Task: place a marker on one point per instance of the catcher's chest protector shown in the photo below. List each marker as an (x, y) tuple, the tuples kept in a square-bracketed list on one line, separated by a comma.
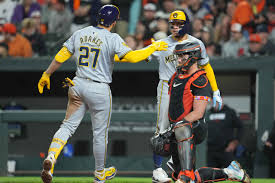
[(181, 97)]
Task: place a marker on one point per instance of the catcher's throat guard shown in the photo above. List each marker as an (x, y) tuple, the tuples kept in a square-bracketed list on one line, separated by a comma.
[(161, 143)]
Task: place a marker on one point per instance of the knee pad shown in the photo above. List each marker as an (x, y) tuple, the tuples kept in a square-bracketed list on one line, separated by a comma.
[(183, 132), (199, 129)]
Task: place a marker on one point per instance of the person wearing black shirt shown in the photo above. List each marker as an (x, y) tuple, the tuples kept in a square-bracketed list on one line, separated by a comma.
[(222, 141), (269, 147)]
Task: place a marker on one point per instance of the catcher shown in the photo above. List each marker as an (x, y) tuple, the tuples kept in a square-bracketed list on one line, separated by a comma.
[(190, 93)]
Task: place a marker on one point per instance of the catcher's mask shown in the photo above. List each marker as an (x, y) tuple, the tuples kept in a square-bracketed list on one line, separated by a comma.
[(187, 54), (179, 18)]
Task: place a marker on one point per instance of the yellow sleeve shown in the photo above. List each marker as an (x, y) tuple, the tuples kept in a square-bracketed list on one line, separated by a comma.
[(211, 76), (137, 55), (63, 55)]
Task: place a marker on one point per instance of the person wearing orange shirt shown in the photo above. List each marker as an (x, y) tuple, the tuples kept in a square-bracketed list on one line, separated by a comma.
[(247, 11), (19, 46)]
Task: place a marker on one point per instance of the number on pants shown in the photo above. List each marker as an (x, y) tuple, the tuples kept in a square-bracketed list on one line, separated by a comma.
[(86, 55)]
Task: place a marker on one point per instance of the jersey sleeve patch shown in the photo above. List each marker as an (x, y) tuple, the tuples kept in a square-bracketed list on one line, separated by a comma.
[(200, 82)]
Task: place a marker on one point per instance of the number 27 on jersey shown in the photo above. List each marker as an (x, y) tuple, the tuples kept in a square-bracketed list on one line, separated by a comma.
[(83, 59)]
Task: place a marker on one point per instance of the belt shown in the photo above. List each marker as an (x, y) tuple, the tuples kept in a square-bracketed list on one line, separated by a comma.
[(93, 80), (165, 81)]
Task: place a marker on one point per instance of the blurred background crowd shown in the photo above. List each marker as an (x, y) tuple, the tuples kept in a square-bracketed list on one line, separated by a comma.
[(228, 28)]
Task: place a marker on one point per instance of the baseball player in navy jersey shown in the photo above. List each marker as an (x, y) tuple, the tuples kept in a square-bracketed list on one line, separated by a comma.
[(179, 23), (94, 49)]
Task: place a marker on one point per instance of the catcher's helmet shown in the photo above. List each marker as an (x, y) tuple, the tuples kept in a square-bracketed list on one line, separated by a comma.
[(108, 14), (181, 17), (192, 49)]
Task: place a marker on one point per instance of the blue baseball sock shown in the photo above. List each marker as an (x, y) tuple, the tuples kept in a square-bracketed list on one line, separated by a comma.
[(157, 160)]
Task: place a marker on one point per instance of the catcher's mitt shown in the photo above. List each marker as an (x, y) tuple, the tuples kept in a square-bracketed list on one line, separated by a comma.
[(160, 143), (67, 83)]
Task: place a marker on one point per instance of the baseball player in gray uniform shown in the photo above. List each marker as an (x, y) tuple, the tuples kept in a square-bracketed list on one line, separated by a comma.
[(94, 49), (167, 67)]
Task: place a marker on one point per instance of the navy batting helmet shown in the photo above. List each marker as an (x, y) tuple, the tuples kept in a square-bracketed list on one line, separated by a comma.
[(108, 14)]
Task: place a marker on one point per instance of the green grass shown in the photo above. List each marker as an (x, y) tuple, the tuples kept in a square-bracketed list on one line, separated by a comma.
[(90, 180)]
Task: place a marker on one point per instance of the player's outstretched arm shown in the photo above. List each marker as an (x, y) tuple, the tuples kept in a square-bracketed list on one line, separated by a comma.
[(60, 57), (212, 80), (143, 54)]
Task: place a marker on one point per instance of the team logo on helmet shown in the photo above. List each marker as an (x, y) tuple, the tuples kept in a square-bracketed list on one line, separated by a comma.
[(108, 14), (175, 15)]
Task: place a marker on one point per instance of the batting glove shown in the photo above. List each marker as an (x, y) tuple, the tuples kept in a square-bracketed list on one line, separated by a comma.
[(44, 80), (159, 45), (217, 99), (67, 83)]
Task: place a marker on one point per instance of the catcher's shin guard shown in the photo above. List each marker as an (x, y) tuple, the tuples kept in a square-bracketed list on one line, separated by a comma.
[(185, 148)]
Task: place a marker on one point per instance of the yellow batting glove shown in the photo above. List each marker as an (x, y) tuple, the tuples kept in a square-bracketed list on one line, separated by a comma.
[(67, 83), (44, 80), (159, 45)]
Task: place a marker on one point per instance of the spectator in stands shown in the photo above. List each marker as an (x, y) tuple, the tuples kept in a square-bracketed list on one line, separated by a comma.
[(271, 17), (247, 11), (208, 20), (222, 30), (84, 13), (24, 10), (269, 148), (19, 46), (230, 8), (35, 38), (197, 26), (167, 7), (3, 50), (213, 50), (268, 45), (60, 19), (46, 10), (206, 35), (131, 42), (39, 27), (198, 9), (149, 22), (218, 8), (140, 31), (162, 26), (184, 5), (237, 45), (6, 10), (222, 141), (256, 46)]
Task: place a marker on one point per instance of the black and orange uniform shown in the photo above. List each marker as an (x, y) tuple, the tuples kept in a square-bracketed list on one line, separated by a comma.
[(184, 89)]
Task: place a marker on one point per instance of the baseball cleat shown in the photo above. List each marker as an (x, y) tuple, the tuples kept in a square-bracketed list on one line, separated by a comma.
[(235, 172), (48, 164), (171, 165), (160, 176), (106, 174)]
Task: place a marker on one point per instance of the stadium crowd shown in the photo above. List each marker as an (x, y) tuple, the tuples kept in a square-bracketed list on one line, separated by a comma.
[(228, 28)]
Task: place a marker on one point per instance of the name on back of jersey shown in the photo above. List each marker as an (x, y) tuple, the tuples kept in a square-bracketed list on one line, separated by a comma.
[(91, 39)]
